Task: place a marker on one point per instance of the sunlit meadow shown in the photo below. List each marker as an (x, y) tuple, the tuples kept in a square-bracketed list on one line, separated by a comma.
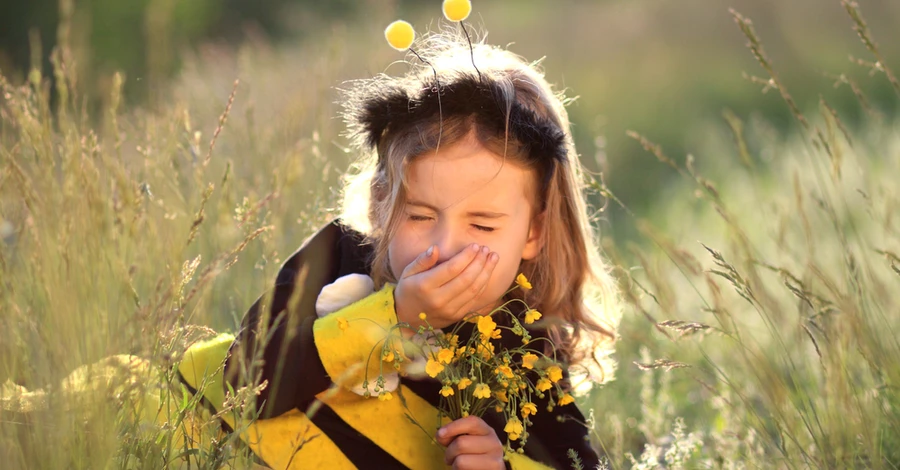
[(762, 317)]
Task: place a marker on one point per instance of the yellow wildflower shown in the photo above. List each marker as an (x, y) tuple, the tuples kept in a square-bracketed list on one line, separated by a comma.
[(543, 385), (463, 383), (342, 323), (385, 396), (528, 360), (532, 316), (457, 10), (447, 391), (486, 349), (387, 356), (554, 373), (486, 325), (506, 371), (566, 399), (461, 351), (514, 428), (528, 409), (445, 356), (422, 316), (482, 391), (433, 368), (498, 409), (495, 334), (400, 35), (501, 395), (522, 281), (453, 340)]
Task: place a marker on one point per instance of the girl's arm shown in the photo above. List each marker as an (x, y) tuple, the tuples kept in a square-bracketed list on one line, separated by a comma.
[(289, 360)]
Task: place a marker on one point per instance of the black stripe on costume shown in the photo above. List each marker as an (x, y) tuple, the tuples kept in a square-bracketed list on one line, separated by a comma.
[(362, 452), (358, 449), (212, 411)]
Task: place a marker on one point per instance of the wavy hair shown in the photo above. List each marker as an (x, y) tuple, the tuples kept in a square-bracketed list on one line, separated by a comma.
[(512, 111)]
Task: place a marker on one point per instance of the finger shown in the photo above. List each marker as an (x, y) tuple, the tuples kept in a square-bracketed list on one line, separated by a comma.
[(448, 270), (463, 302), (472, 425), (466, 444), (422, 263), (463, 288)]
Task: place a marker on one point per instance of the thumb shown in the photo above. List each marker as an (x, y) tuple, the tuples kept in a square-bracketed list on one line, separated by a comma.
[(422, 263)]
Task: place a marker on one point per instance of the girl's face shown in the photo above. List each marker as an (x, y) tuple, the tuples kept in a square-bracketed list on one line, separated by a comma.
[(465, 194)]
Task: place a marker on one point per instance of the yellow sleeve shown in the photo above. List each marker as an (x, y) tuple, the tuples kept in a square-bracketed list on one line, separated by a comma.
[(349, 340), (523, 462)]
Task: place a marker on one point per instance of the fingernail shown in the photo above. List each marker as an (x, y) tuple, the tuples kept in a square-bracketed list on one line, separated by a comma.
[(485, 250), (430, 250), (494, 257), (441, 432), (475, 247)]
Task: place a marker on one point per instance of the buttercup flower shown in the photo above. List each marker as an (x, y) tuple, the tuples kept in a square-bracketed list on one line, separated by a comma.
[(400, 35), (486, 325), (482, 391), (506, 371), (486, 349), (522, 281), (554, 373), (342, 323), (447, 391), (566, 399), (385, 396), (528, 360), (445, 356), (543, 385), (528, 409), (514, 428), (387, 356), (422, 316), (457, 10), (461, 351), (433, 368), (501, 395), (532, 316), (463, 383)]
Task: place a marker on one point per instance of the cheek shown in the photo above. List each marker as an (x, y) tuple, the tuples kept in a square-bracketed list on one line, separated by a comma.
[(401, 251), (503, 275)]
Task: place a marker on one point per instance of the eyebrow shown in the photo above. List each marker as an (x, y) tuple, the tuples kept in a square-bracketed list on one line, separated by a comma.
[(480, 214)]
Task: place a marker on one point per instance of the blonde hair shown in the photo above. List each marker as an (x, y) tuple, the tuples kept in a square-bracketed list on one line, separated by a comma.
[(572, 284)]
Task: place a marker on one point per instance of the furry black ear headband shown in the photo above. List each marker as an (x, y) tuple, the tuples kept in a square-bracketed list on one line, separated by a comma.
[(394, 108)]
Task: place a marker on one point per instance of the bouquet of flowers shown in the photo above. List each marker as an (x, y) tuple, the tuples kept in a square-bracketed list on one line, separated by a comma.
[(478, 373)]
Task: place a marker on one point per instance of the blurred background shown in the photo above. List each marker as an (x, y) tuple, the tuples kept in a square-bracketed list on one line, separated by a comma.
[(667, 69), (134, 215)]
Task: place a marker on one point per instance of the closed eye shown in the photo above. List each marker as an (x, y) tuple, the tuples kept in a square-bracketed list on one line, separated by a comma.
[(483, 228), (418, 218)]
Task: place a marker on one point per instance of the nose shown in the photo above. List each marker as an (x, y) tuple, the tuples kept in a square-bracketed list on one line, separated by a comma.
[(449, 240)]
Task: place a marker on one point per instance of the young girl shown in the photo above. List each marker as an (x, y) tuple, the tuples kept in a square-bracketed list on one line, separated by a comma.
[(467, 176)]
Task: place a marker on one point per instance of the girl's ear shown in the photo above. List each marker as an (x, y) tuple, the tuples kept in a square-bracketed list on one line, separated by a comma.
[(535, 241)]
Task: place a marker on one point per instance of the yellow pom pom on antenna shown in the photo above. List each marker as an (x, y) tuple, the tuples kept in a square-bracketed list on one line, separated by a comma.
[(457, 10), (400, 35)]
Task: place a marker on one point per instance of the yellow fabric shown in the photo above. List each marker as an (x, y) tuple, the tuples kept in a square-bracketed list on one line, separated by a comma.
[(349, 340), (384, 422), (275, 440)]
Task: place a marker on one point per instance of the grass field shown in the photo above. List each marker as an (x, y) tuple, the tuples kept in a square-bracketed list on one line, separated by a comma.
[(762, 318)]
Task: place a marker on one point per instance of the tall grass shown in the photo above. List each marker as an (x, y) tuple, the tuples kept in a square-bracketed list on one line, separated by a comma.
[(770, 292), (763, 323)]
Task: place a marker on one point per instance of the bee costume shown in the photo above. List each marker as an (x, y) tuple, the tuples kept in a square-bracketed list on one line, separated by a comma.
[(346, 430)]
